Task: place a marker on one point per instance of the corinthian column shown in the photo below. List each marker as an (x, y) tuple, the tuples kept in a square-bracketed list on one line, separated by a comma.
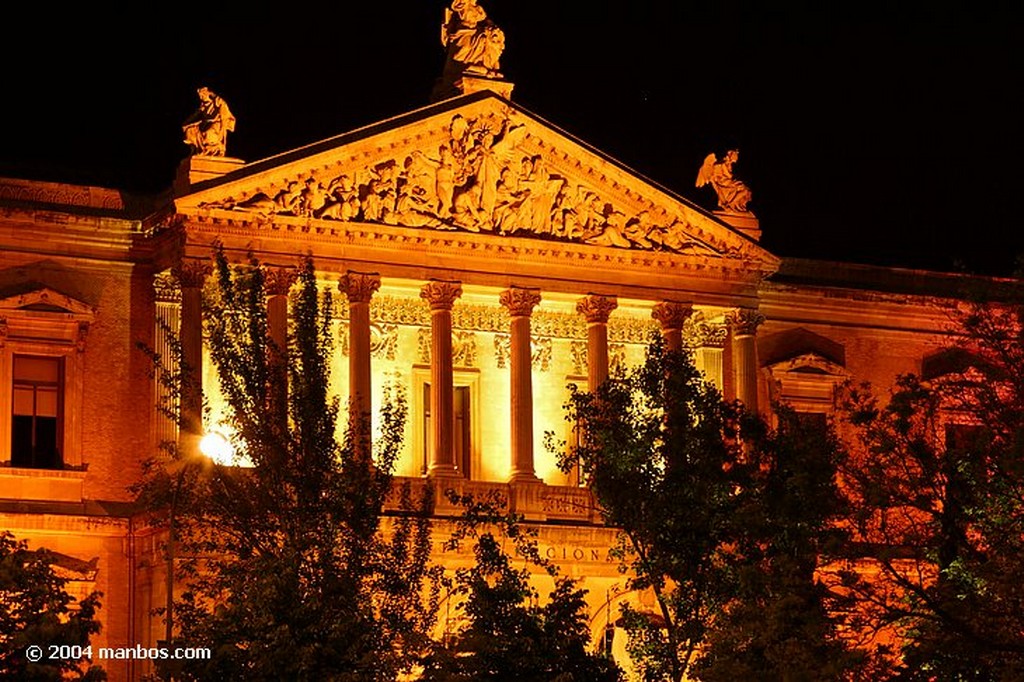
[(191, 276), (744, 323), (277, 282), (672, 316), (359, 288), (596, 310), (441, 296), (520, 304)]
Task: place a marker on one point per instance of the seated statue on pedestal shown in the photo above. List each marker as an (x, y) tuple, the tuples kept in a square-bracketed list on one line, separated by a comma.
[(474, 44), (206, 130)]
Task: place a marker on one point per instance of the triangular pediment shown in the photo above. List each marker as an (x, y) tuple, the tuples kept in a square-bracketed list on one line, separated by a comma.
[(480, 164), (42, 300)]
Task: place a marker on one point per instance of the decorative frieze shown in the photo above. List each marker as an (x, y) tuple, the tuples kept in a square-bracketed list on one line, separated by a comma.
[(165, 288), (383, 341), (578, 353), (616, 358), (701, 333), (540, 351), (463, 349)]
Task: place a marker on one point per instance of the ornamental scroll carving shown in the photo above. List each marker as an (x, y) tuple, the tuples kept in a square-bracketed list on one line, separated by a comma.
[(540, 351), (483, 177), (463, 348), (383, 340), (699, 332)]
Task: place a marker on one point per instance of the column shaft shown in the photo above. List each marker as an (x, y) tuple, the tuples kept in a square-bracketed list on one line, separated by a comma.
[(520, 304), (359, 288), (744, 325), (441, 296), (597, 309), (191, 276)]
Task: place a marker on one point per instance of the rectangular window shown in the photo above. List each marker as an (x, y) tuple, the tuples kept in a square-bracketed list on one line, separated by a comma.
[(37, 412), (462, 437)]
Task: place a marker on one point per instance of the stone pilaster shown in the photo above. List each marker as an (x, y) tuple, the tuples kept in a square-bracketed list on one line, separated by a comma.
[(596, 309), (359, 288), (441, 296), (191, 276), (743, 324), (672, 316), (520, 304), (707, 339)]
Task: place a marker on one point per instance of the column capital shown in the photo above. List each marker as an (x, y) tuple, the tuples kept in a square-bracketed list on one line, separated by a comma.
[(192, 274), (700, 333), (441, 294), (672, 314), (596, 308), (278, 281), (744, 321), (519, 301), (359, 287)]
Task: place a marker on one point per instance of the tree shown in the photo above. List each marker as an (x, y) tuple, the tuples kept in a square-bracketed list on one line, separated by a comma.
[(722, 518), (508, 635), (294, 570), (36, 610), (783, 621), (938, 498), (661, 450)]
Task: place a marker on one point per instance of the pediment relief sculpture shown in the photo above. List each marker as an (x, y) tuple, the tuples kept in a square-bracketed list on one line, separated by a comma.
[(484, 176)]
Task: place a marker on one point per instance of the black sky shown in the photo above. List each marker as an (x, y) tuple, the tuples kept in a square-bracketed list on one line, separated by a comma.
[(884, 133)]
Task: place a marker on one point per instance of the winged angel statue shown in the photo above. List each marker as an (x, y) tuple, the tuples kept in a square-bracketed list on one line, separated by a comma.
[(733, 194)]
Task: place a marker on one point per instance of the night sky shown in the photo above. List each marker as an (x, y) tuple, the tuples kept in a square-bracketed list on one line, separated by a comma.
[(867, 133)]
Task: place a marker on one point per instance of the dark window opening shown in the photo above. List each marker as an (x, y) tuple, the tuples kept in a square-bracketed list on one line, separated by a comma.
[(462, 440), (36, 423)]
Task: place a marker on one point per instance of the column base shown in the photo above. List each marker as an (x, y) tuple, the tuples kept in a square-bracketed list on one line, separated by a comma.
[(526, 497)]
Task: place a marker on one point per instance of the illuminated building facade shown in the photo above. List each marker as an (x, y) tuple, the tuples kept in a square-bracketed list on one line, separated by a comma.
[(484, 259)]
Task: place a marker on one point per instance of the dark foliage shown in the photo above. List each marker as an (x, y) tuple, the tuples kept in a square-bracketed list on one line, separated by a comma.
[(36, 610), (507, 634), (294, 570)]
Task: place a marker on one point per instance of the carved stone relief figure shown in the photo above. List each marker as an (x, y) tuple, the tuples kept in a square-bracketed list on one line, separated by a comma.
[(484, 177), (733, 194), (206, 130)]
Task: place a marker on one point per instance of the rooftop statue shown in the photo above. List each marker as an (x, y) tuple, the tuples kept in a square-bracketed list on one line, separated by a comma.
[(206, 130), (474, 44), (733, 194)]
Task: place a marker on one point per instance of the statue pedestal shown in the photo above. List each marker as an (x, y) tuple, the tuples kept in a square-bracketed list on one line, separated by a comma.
[(746, 223), (469, 84), (195, 169)]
